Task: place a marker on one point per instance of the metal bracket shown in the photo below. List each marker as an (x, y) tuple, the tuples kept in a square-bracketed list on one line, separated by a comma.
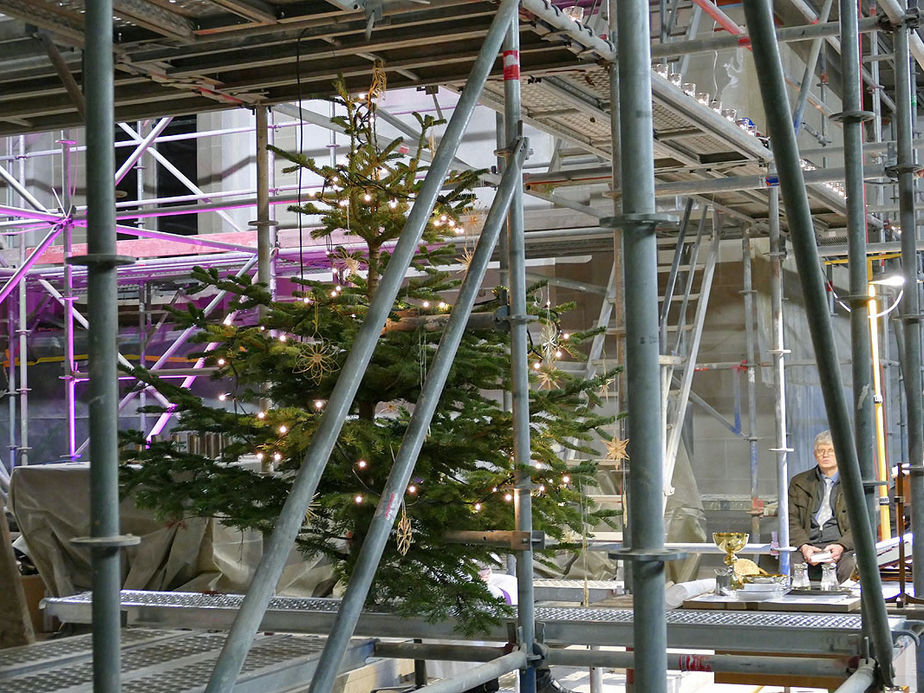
[(627, 221), (515, 540), (648, 555), (858, 300), (893, 172), (117, 541), (853, 116), (101, 260)]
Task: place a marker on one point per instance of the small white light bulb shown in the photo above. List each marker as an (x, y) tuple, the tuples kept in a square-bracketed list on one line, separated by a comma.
[(283, 429), (362, 464), (277, 456), (261, 415), (358, 499)]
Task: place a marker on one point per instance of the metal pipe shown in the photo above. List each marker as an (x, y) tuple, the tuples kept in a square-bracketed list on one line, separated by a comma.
[(104, 320), (646, 524), (677, 661), (860, 346), (786, 154), (265, 240), (743, 664), (22, 333), (911, 306), (751, 383), (141, 147), (519, 359), (392, 496), (860, 680), (70, 366), (479, 675), (809, 74), (306, 481), (779, 351)]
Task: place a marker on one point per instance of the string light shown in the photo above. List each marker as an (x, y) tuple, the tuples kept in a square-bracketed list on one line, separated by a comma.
[(541, 488), (260, 456), (261, 328), (451, 223), (362, 464), (367, 197), (335, 179), (261, 415), (358, 499), (282, 338), (558, 354), (223, 396), (537, 366), (221, 362), (442, 305), (566, 336), (566, 479), (477, 507), (306, 299), (412, 489), (344, 203), (392, 203), (319, 404), (494, 489), (277, 456), (508, 497), (283, 429), (426, 304), (333, 294)]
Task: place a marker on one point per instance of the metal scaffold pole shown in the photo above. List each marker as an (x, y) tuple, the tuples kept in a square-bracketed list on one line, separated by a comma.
[(101, 260), (338, 406), (779, 352), (860, 345), (911, 302), (786, 155), (638, 221), (519, 360)]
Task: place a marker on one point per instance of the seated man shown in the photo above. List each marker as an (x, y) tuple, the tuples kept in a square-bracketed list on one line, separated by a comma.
[(818, 514)]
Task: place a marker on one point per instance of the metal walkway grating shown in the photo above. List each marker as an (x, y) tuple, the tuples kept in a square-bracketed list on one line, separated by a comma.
[(735, 631), (168, 661)]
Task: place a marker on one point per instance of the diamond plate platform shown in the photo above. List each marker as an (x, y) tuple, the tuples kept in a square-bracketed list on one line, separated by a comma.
[(730, 631), (167, 661)]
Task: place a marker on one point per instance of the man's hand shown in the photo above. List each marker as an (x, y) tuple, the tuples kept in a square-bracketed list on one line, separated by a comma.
[(807, 550), (836, 552)]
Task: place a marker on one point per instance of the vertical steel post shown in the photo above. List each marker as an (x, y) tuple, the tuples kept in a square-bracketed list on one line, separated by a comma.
[(338, 406), (396, 486), (860, 347), (104, 325), (911, 306), (638, 220), (519, 360), (22, 330), (70, 367), (786, 154), (750, 373), (779, 352), (265, 240)]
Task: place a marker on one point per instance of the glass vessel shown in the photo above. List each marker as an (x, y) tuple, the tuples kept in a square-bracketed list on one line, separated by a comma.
[(800, 578), (829, 577)]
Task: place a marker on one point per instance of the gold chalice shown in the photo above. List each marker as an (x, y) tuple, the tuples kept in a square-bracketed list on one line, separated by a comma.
[(730, 543)]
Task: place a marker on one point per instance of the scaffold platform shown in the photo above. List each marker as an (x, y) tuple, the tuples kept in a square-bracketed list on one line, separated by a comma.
[(810, 633), (168, 661)]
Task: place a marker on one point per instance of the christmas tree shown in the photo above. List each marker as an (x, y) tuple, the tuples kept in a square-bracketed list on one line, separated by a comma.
[(279, 358)]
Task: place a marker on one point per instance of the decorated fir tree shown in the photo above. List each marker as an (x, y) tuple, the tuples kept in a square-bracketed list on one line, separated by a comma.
[(279, 360)]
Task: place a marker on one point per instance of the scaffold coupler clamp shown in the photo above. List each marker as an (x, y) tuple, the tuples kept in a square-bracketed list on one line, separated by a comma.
[(643, 222)]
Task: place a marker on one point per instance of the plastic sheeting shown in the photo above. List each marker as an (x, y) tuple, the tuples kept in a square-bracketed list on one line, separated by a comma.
[(51, 504)]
